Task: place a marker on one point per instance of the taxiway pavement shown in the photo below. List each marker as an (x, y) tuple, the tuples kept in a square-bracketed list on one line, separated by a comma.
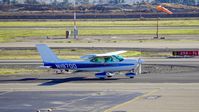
[(151, 61), (62, 101), (96, 97)]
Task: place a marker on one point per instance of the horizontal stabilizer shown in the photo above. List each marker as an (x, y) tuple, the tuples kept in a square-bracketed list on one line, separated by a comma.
[(44, 67)]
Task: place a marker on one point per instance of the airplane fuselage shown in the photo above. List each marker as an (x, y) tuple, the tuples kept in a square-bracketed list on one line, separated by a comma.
[(125, 65), (104, 64)]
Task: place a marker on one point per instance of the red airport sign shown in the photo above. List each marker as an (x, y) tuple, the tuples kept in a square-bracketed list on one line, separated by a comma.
[(185, 53)]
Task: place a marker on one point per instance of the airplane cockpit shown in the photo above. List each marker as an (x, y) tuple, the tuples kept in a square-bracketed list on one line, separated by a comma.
[(107, 59)]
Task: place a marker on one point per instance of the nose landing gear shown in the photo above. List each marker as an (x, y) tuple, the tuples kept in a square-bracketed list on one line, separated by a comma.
[(130, 75)]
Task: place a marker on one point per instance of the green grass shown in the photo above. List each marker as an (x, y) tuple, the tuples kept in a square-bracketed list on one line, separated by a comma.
[(9, 71), (104, 23), (132, 54), (68, 54), (8, 35)]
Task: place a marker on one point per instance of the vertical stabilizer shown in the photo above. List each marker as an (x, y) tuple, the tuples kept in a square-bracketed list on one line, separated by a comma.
[(46, 53)]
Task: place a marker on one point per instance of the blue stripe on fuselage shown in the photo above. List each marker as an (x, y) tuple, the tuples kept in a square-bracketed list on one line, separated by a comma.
[(84, 65)]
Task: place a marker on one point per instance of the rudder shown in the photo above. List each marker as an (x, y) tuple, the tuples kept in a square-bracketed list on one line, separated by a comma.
[(46, 53)]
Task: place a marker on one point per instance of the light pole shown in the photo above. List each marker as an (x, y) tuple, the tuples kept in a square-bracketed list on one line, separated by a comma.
[(157, 30), (75, 22)]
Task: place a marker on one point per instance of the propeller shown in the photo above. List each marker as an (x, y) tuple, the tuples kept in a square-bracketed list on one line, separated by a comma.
[(139, 67)]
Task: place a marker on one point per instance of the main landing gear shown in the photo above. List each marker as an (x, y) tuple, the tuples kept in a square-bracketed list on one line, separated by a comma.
[(101, 75), (104, 75), (60, 71)]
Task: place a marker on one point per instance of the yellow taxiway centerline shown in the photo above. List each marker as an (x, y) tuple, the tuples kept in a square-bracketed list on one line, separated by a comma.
[(131, 101)]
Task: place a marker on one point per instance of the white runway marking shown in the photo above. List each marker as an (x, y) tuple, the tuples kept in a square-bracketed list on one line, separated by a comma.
[(6, 92)]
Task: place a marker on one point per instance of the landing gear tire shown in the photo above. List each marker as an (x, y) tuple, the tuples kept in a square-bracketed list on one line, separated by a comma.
[(59, 71), (109, 76), (131, 77)]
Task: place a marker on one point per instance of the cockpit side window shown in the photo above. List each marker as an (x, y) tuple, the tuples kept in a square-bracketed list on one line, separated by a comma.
[(114, 58), (98, 60), (108, 59)]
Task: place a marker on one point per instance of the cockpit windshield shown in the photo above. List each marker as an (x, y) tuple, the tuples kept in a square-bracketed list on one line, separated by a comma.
[(108, 59), (118, 57)]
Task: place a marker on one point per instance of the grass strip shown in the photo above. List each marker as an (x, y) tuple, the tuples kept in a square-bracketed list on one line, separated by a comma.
[(102, 23), (9, 71), (8, 35)]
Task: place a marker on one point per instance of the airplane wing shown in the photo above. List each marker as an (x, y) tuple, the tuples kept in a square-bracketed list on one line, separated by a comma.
[(113, 53), (89, 56)]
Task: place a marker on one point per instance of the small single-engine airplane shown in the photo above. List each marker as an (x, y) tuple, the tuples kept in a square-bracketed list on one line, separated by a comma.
[(104, 64)]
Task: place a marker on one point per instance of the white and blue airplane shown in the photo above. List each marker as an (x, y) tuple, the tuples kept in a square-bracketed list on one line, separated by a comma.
[(105, 65)]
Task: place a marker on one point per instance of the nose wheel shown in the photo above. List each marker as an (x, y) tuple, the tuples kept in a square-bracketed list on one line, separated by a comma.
[(109, 76), (131, 75)]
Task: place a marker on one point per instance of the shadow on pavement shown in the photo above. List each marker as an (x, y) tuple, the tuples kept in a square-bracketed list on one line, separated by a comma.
[(55, 81)]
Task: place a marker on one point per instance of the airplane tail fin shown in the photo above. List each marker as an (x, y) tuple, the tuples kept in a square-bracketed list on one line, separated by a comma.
[(46, 53)]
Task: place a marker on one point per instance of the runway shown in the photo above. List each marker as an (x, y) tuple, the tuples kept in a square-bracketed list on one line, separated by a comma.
[(147, 61), (154, 70), (50, 78), (173, 87)]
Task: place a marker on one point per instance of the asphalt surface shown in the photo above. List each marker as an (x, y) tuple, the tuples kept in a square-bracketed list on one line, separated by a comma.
[(52, 79), (62, 101), (154, 70), (151, 61), (82, 92)]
